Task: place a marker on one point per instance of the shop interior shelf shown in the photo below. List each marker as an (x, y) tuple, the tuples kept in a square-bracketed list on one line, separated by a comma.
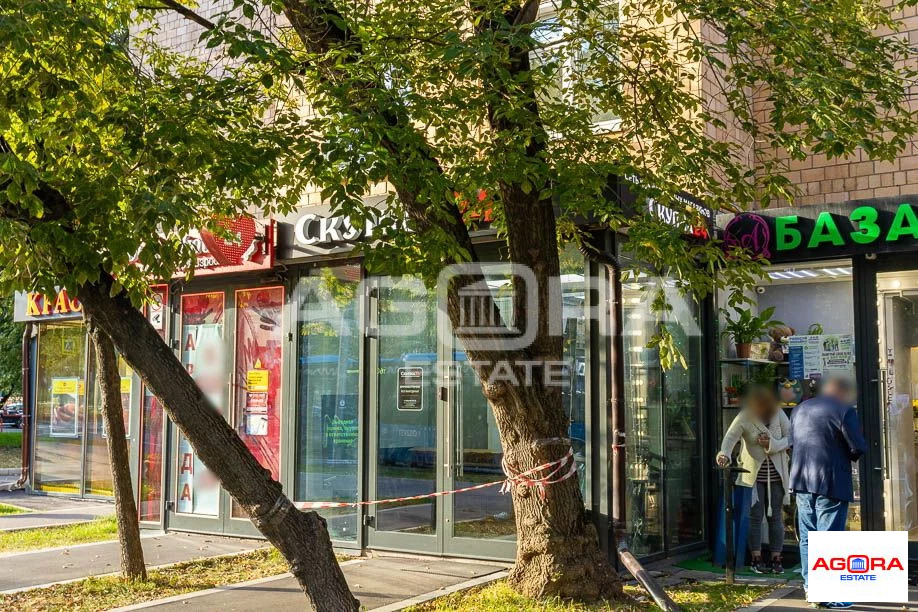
[(749, 361)]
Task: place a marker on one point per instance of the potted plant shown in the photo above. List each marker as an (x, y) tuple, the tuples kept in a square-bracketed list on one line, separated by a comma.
[(745, 328)]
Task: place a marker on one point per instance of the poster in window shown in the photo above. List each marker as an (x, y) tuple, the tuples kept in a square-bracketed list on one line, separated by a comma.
[(339, 428), (156, 311), (410, 386), (65, 404), (259, 360), (203, 354), (127, 385), (259, 342)]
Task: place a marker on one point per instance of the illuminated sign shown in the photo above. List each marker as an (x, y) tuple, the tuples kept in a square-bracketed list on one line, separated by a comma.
[(34, 306), (879, 227), (315, 230), (242, 245)]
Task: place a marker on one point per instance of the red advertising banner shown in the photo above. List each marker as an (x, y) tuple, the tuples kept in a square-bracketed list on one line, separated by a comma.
[(259, 361)]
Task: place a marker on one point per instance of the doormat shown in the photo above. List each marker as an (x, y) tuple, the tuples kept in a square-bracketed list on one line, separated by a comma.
[(703, 564)]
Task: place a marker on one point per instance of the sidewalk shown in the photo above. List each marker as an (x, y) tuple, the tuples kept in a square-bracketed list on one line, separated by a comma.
[(380, 583), (47, 511), (52, 565), (792, 599)]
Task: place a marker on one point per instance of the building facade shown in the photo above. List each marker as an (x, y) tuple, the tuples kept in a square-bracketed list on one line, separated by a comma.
[(334, 377)]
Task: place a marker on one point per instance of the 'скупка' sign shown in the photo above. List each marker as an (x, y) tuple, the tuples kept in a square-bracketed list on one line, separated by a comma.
[(877, 226)]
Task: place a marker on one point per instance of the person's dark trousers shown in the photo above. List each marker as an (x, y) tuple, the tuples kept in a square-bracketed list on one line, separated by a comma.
[(817, 513)]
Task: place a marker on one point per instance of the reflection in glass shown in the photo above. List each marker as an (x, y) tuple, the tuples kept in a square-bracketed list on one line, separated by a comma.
[(485, 513), (151, 425), (662, 417), (328, 357), (98, 469), (60, 395), (257, 388), (573, 328), (407, 430), (898, 309), (682, 409), (198, 490)]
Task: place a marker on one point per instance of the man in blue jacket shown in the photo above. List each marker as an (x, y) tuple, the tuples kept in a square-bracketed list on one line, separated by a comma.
[(826, 437)]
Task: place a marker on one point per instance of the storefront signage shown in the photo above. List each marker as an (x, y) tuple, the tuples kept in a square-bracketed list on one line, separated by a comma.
[(311, 230), (880, 226), (33, 306), (243, 245), (679, 214), (410, 389)]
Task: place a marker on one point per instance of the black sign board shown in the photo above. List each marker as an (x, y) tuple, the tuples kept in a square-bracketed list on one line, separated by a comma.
[(792, 234), (410, 389)]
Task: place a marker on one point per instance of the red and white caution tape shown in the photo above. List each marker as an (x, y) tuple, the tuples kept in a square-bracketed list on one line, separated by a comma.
[(528, 478)]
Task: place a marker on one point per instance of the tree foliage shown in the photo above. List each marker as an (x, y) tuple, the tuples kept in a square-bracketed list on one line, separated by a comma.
[(10, 351), (112, 149), (450, 100)]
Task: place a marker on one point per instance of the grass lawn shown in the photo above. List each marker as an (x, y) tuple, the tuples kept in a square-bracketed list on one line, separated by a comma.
[(498, 597), (108, 592), (10, 449), (50, 537), (8, 509)]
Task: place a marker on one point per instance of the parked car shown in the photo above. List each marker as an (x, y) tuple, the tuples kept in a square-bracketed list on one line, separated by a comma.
[(11, 415)]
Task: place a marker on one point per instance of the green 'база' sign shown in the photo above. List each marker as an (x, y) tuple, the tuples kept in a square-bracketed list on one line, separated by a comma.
[(880, 226), (867, 229)]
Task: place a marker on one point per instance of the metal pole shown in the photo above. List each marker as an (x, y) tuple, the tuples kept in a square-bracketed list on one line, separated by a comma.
[(730, 545), (729, 473)]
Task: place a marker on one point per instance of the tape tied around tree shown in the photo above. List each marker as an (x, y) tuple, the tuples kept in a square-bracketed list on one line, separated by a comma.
[(558, 470)]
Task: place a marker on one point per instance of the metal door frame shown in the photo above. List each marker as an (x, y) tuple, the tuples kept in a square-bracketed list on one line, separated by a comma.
[(867, 329), (393, 540)]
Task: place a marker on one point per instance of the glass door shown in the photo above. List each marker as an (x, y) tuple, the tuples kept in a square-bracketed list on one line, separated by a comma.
[(405, 417), (478, 523), (196, 497), (898, 310)]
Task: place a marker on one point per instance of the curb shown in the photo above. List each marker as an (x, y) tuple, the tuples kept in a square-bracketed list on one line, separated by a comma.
[(118, 573), (221, 589), (419, 599), (771, 599), (11, 471)]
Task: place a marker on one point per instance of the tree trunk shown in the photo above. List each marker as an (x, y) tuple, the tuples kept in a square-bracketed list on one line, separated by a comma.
[(301, 537), (132, 564), (558, 551)]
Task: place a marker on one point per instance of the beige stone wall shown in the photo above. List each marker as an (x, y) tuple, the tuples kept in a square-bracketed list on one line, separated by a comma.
[(826, 181), (181, 34)]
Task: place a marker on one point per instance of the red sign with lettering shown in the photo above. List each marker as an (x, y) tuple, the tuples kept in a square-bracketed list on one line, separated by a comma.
[(243, 244)]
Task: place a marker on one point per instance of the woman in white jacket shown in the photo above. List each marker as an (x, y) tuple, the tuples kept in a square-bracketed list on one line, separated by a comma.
[(764, 431)]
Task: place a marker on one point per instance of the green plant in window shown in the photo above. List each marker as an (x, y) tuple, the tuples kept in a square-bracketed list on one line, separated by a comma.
[(744, 327)]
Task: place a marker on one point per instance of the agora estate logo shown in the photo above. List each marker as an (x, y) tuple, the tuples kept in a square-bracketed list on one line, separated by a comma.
[(858, 567)]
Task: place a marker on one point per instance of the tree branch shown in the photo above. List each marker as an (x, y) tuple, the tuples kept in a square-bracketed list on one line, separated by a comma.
[(184, 11)]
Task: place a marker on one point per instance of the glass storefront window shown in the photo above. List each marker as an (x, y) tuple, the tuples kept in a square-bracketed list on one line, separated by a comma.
[(897, 294), (152, 426), (815, 302), (60, 392), (328, 380), (203, 355), (406, 464), (257, 380), (98, 471), (663, 409), (573, 329)]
